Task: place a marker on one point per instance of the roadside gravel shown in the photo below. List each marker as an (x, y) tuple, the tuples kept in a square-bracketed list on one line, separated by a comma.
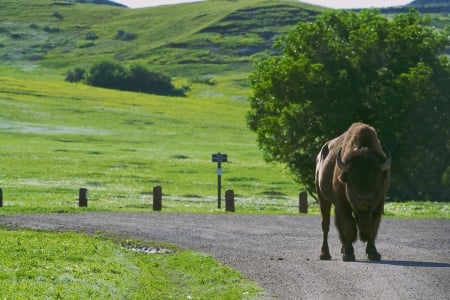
[(281, 252)]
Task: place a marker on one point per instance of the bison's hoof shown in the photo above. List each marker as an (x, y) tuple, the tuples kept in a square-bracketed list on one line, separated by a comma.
[(325, 256), (348, 257), (374, 256)]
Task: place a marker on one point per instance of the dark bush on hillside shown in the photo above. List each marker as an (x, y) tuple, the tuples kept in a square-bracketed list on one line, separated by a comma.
[(142, 80), (58, 15), (49, 29), (87, 45), (137, 79), (91, 36), (124, 35), (108, 75), (75, 75)]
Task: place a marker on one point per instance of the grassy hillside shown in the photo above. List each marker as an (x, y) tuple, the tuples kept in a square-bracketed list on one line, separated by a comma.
[(184, 40), (437, 10), (431, 6), (57, 137)]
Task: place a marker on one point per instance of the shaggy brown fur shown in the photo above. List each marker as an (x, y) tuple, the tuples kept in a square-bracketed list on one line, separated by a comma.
[(353, 173)]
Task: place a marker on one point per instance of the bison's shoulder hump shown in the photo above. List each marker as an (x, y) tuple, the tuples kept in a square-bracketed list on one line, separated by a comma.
[(360, 136)]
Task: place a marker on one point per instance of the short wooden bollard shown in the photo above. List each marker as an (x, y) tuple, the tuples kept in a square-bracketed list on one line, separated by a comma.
[(83, 197), (303, 202), (229, 200), (1, 198), (157, 198)]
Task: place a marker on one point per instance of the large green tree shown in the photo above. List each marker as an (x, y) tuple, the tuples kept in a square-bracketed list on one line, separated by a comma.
[(344, 67)]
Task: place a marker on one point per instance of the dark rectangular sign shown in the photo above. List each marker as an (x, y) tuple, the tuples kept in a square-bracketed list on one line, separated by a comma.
[(219, 157)]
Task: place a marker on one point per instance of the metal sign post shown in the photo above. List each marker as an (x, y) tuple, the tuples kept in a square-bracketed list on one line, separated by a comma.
[(219, 158)]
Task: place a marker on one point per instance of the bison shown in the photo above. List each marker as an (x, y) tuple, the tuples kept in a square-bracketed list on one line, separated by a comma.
[(353, 173)]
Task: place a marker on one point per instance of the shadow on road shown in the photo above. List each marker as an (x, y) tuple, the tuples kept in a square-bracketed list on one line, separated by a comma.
[(409, 263)]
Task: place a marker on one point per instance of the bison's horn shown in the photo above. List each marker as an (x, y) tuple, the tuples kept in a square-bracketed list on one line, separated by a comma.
[(387, 163), (341, 164)]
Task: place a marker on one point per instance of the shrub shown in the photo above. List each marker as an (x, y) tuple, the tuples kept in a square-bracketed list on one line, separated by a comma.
[(58, 15), (75, 75), (124, 35), (49, 29), (92, 36), (138, 79), (108, 75), (87, 45), (143, 80)]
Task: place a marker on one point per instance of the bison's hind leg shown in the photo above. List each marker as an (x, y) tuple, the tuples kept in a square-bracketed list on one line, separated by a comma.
[(325, 209)]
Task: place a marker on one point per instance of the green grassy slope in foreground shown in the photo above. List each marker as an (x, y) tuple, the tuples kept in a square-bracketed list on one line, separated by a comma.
[(40, 265)]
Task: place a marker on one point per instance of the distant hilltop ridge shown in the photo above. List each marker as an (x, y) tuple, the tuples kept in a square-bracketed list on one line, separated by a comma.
[(424, 6), (102, 2)]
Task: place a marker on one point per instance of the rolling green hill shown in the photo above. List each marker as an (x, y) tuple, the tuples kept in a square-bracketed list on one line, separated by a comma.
[(438, 10), (185, 39), (182, 40)]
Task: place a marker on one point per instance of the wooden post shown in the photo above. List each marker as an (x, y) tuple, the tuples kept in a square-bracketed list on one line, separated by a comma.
[(219, 183), (83, 197), (229, 200), (303, 202), (1, 198), (157, 198)]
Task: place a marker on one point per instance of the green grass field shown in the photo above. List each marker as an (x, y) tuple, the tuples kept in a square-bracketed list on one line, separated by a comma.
[(58, 137), (41, 265)]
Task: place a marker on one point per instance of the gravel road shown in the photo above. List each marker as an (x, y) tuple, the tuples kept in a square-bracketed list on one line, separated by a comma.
[(281, 252)]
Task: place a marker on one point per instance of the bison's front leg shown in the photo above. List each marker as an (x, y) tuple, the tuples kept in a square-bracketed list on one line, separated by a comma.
[(371, 250), (346, 226)]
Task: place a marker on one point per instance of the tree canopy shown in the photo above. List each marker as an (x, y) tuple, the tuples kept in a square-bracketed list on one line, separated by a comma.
[(346, 67)]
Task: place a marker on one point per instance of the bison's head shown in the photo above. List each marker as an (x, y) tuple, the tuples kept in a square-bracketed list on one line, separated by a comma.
[(365, 174)]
